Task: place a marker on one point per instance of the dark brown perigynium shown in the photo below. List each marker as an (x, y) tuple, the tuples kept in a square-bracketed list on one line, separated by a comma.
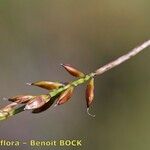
[(37, 102)]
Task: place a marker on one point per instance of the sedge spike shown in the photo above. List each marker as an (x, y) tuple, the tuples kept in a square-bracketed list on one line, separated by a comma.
[(63, 91)]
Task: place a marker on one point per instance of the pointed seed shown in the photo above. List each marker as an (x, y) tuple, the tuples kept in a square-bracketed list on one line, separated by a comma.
[(73, 71), (90, 92), (47, 85), (21, 98), (90, 95), (37, 102), (65, 96)]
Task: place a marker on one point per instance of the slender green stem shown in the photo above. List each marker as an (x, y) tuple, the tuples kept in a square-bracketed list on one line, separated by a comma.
[(73, 83)]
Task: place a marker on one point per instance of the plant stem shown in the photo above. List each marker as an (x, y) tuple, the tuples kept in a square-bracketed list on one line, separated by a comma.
[(123, 58), (4, 115), (73, 83)]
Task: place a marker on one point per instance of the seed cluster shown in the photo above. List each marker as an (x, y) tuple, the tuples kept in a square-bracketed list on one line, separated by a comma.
[(62, 92)]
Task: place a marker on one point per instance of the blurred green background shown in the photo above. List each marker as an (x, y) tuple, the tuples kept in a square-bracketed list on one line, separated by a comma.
[(37, 35)]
